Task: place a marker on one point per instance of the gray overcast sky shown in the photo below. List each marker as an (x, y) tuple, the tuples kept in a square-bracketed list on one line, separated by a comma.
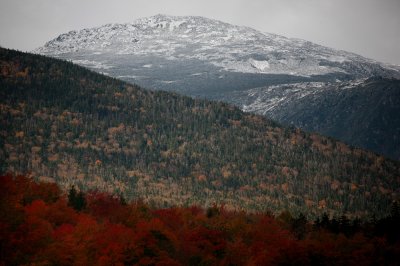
[(367, 27)]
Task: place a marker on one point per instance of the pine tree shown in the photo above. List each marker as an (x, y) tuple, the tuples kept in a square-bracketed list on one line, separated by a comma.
[(76, 199)]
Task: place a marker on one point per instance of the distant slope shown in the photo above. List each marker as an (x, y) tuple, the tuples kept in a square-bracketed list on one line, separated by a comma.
[(259, 72), (367, 115), (364, 113), (63, 123)]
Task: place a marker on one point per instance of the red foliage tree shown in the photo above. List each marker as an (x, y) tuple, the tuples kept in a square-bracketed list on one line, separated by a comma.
[(37, 227)]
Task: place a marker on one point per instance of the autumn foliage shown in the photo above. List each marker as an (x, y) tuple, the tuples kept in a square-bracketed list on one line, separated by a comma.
[(38, 226)]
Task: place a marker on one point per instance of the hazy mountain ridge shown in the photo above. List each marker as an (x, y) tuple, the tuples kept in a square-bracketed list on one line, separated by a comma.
[(65, 124)]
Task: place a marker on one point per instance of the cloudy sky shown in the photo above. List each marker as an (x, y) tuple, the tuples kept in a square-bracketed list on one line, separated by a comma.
[(367, 27)]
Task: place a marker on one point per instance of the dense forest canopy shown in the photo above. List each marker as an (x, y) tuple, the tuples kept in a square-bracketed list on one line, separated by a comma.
[(40, 225)]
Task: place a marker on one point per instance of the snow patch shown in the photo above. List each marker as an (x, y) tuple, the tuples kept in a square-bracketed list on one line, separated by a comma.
[(261, 65), (91, 64)]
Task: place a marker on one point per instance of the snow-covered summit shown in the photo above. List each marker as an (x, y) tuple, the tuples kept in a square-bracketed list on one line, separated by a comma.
[(229, 47)]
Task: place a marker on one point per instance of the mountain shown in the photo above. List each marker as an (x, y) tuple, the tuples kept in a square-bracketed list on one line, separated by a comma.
[(63, 123), (259, 72), (206, 47)]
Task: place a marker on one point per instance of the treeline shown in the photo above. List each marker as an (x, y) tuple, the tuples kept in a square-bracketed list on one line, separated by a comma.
[(40, 225)]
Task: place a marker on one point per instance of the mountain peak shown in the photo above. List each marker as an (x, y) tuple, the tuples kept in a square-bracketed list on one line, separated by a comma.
[(230, 47)]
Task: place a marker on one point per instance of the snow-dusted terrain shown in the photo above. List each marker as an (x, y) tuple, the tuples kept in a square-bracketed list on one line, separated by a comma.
[(267, 100), (228, 47), (259, 72)]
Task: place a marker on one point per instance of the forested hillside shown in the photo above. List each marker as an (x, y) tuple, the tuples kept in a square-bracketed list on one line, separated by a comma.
[(62, 123)]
